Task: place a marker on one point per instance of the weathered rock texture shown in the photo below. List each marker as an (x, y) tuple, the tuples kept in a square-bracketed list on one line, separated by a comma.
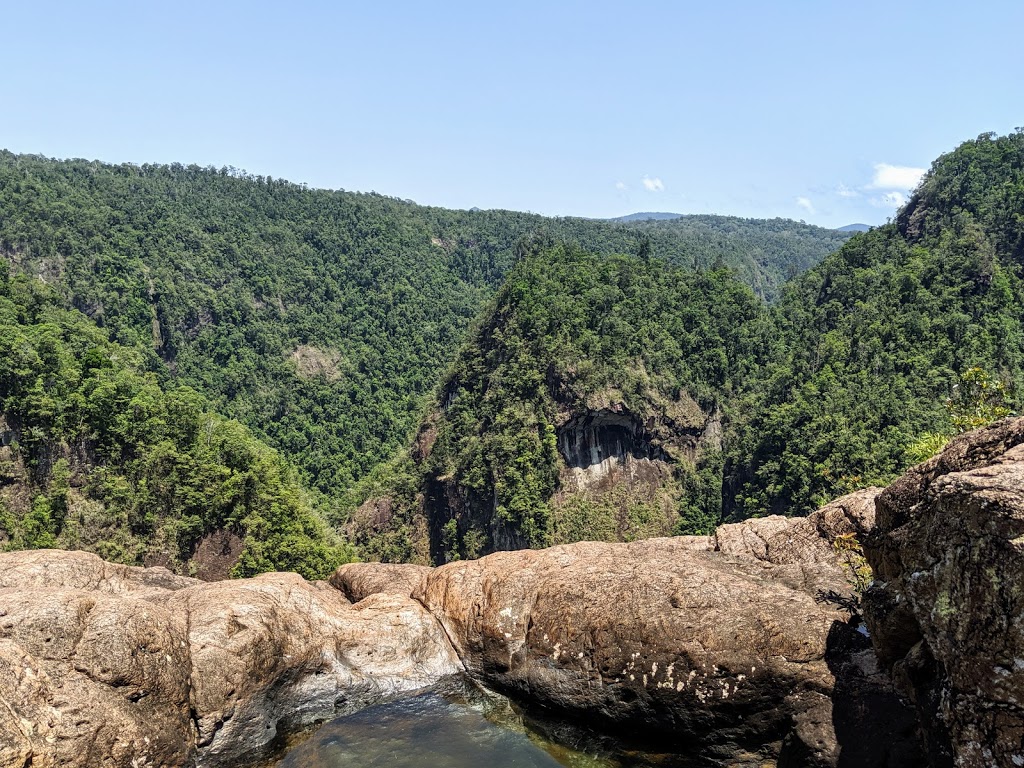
[(359, 580), (947, 610), (747, 648), (785, 540), (667, 638), (103, 664)]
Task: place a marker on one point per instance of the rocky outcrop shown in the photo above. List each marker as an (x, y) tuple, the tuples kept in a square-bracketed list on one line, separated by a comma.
[(946, 612), (748, 648), (670, 639), (103, 664), (785, 540), (649, 635)]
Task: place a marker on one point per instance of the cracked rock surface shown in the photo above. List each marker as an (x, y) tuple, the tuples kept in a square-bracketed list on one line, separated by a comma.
[(946, 611), (107, 665)]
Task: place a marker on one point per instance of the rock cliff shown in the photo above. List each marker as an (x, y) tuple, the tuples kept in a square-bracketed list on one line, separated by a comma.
[(946, 612)]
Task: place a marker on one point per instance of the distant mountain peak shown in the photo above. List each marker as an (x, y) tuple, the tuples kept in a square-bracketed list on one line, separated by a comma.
[(854, 228), (648, 217)]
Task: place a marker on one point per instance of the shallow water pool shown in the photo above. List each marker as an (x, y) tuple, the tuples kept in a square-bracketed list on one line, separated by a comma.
[(431, 730)]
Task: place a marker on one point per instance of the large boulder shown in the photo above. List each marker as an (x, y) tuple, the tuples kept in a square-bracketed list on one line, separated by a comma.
[(669, 639), (786, 540), (653, 636), (946, 612), (102, 664)]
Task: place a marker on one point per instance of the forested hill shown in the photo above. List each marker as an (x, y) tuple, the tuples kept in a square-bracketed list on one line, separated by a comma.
[(712, 405), (874, 343), (616, 357), (96, 455), (317, 318), (763, 253)]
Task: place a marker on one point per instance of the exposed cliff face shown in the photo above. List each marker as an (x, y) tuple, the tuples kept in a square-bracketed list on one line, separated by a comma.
[(596, 445), (946, 611)]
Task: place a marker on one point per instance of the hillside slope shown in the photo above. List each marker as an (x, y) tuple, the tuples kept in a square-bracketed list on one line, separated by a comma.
[(620, 398), (873, 342), (319, 319), (96, 455)]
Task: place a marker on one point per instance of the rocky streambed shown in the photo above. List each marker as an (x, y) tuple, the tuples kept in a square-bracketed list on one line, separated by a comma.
[(737, 649)]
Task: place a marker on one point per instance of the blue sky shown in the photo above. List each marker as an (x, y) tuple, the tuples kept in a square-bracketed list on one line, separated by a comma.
[(822, 111)]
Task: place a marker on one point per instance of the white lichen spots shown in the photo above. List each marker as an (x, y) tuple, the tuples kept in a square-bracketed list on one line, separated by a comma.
[(1018, 663), (645, 681), (579, 655), (632, 677), (654, 669), (546, 637), (1018, 760), (508, 635), (557, 652), (680, 685), (167, 656)]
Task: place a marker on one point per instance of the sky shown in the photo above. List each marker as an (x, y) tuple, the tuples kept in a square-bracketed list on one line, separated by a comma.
[(815, 110)]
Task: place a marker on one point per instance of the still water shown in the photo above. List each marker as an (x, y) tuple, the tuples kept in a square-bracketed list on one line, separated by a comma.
[(417, 732), (460, 725)]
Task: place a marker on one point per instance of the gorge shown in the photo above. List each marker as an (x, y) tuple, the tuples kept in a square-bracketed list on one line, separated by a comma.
[(738, 643), (727, 492)]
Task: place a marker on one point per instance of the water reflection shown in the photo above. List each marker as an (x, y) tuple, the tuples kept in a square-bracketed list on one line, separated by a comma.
[(422, 732)]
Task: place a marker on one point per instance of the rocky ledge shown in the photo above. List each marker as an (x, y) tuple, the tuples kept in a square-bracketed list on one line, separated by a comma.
[(946, 611), (735, 644), (108, 665)]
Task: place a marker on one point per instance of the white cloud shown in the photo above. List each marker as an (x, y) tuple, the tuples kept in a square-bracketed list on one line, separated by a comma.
[(653, 185), (805, 203), (889, 200), (621, 186), (899, 177), (844, 191)]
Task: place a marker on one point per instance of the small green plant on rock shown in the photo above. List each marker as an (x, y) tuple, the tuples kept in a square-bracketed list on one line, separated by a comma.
[(978, 400), (851, 557)]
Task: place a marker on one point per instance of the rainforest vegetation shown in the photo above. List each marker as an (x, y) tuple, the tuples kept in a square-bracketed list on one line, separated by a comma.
[(188, 349), (97, 455)]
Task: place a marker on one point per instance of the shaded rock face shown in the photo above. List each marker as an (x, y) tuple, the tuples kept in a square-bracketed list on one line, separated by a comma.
[(216, 554), (108, 665), (597, 443), (946, 611)]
